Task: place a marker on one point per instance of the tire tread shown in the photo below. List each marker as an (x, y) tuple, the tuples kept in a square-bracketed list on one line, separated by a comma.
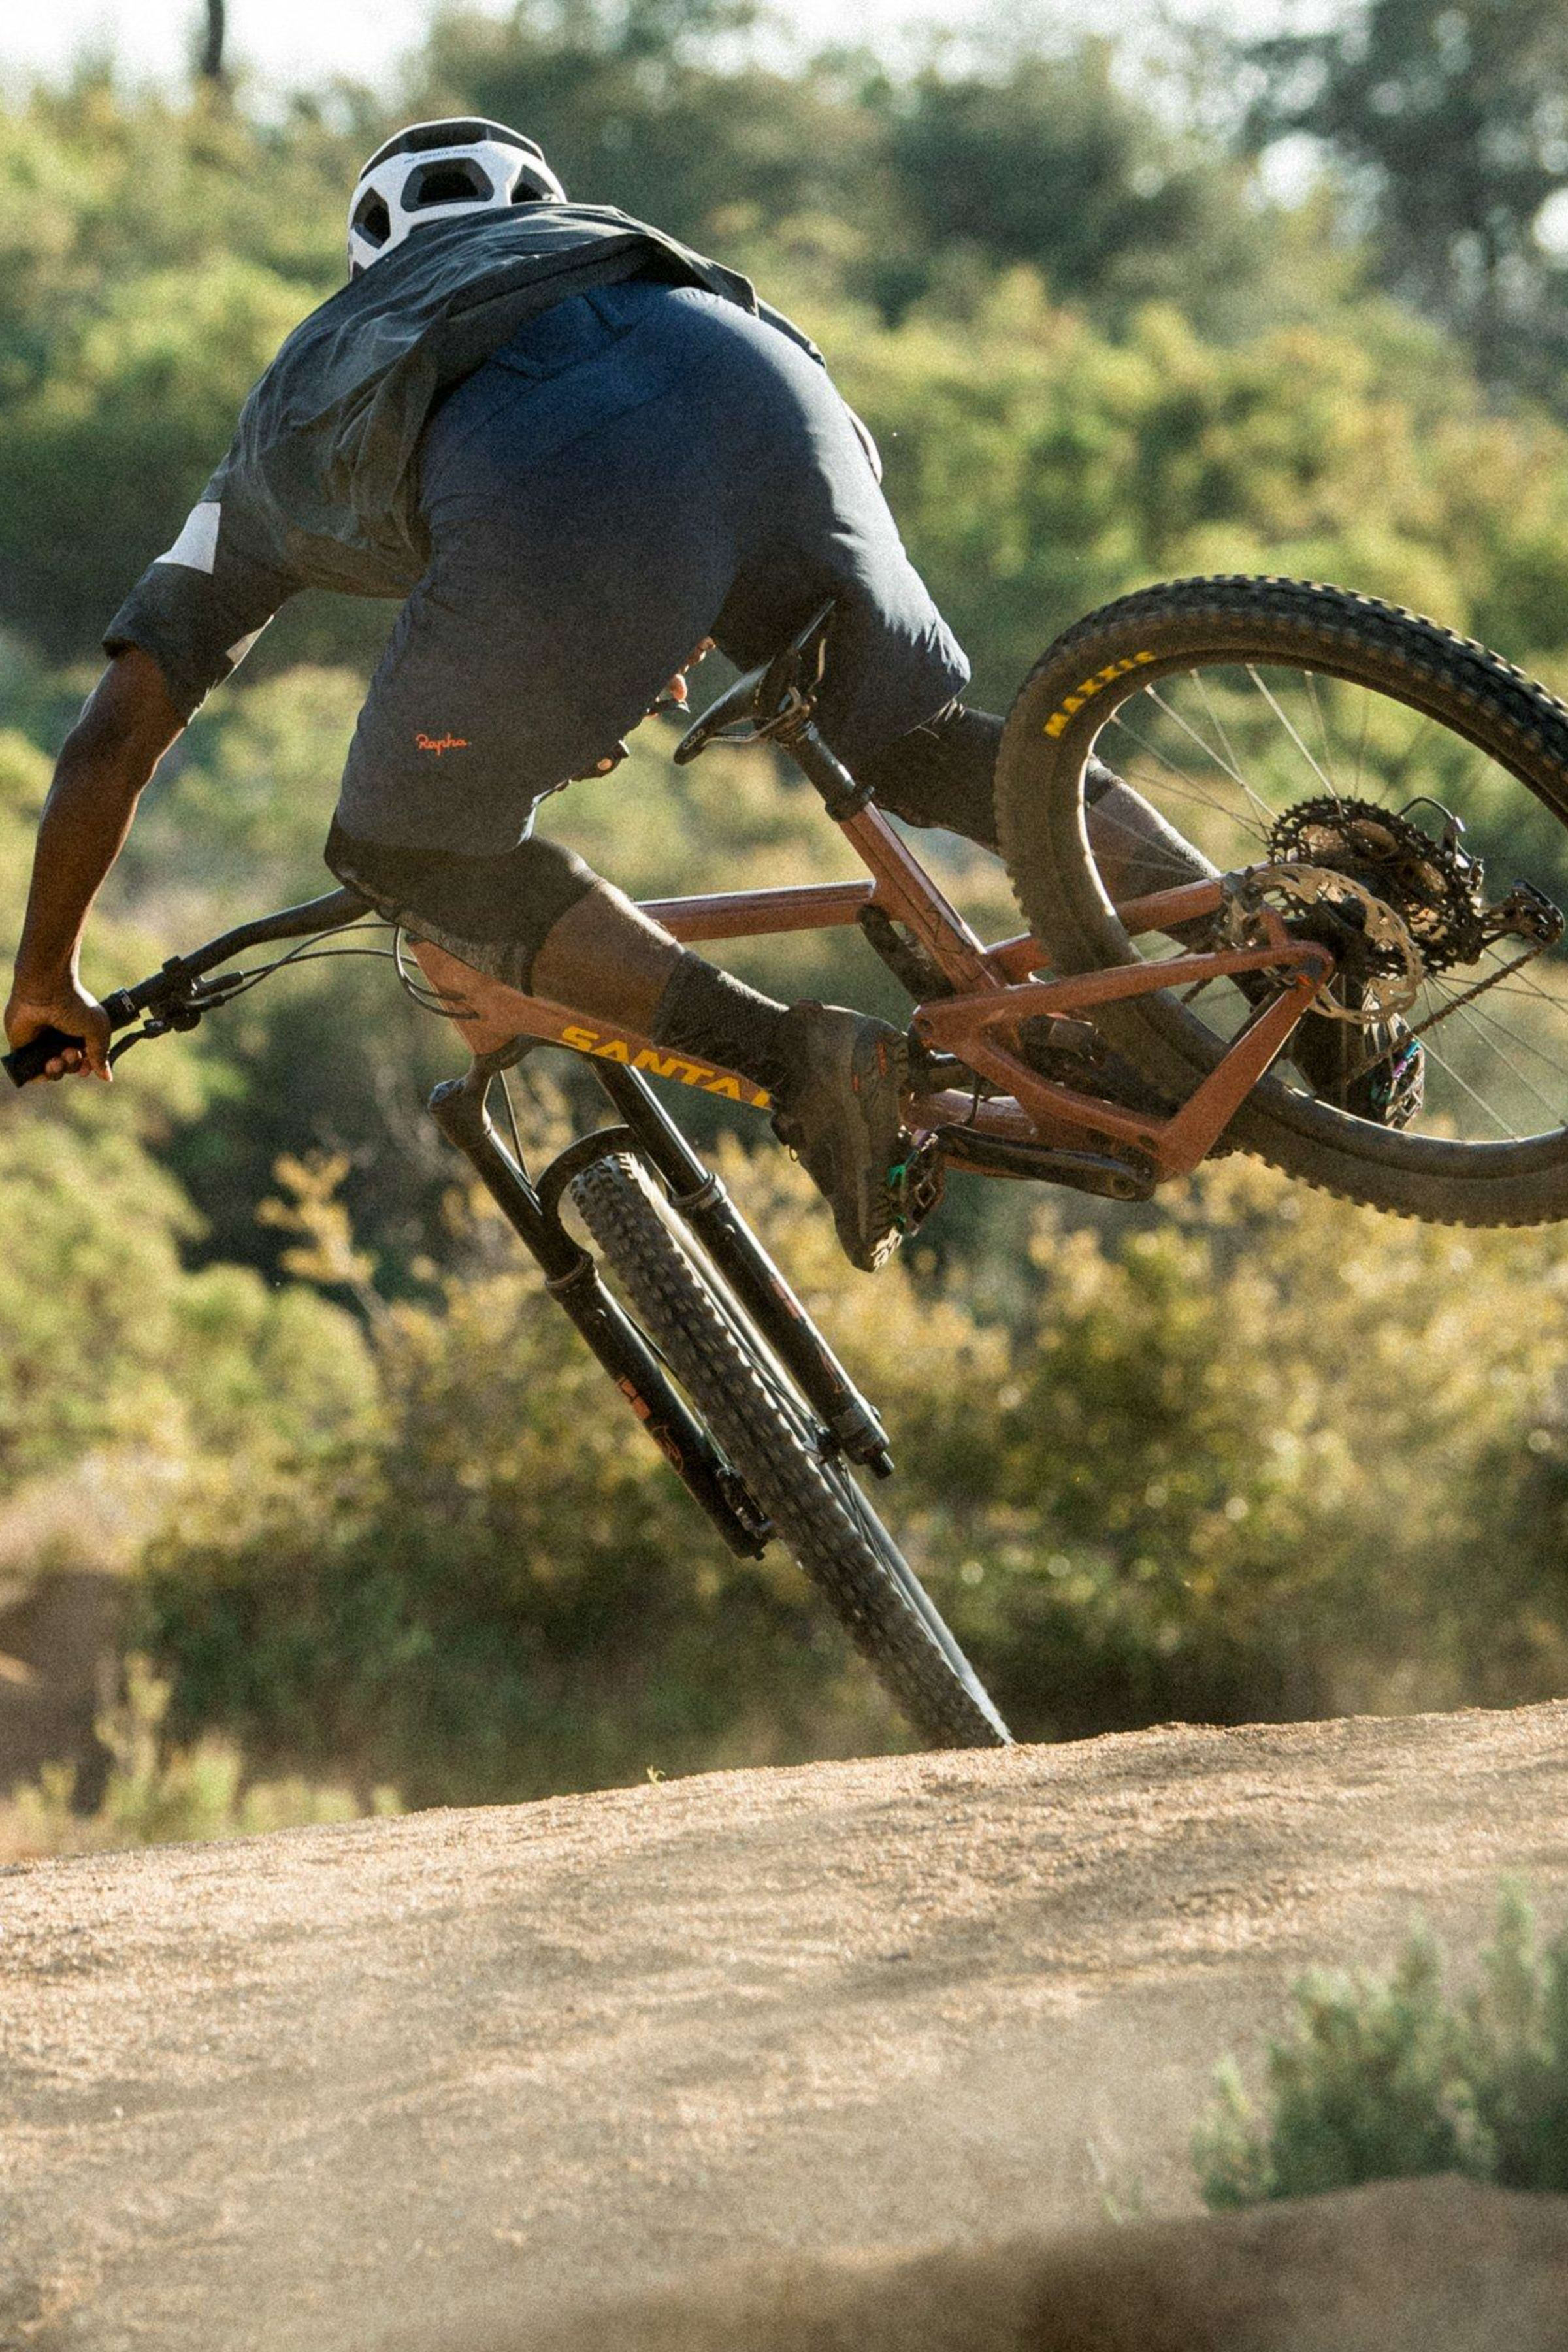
[(671, 1296)]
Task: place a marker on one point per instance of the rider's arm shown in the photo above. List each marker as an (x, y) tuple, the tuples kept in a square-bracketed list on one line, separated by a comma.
[(128, 724), (187, 623)]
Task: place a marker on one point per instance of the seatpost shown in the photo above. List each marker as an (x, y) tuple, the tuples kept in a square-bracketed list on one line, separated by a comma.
[(842, 796)]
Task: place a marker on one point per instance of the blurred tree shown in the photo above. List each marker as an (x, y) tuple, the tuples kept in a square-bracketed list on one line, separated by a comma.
[(210, 65), (647, 107), (143, 398), (1056, 164), (1449, 121)]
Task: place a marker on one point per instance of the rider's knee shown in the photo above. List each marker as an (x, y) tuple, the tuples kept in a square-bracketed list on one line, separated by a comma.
[(501, 909)]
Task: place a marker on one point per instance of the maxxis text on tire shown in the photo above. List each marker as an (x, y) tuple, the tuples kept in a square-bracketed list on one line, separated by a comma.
[(1235, 620)]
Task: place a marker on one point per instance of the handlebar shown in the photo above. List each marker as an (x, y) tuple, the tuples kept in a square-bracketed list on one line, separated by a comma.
[(174, 998)]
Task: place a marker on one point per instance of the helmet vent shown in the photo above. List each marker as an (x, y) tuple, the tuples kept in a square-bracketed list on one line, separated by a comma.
[(371, 219), (432, 171), (456, 180)]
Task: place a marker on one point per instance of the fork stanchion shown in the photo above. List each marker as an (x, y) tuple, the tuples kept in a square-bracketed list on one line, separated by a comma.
[(459, 1110), (759, 1286)]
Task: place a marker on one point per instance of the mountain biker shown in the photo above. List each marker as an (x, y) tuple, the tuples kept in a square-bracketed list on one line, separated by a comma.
[(577, 451)]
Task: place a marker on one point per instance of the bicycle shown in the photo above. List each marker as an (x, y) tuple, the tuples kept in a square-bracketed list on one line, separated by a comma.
[(1110, 1048)]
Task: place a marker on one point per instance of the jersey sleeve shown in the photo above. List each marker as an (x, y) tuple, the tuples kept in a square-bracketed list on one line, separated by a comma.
[(201, 606)]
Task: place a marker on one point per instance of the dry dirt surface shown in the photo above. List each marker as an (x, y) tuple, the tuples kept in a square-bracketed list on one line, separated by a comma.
[(452, 2080)]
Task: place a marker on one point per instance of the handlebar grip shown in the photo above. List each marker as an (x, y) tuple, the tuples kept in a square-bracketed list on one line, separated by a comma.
[(31, 1060)]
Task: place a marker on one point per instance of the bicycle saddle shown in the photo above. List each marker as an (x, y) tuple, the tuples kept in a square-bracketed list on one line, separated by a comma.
[(771, 699)]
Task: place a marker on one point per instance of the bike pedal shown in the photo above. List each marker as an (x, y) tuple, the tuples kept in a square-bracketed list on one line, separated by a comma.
[(917, 1184)]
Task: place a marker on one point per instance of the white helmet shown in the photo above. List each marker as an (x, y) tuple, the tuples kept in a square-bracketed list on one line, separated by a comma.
[(435, 171)]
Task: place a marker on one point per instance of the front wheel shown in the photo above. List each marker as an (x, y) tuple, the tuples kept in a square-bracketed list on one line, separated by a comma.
[(1277, 725), (772, 1441)]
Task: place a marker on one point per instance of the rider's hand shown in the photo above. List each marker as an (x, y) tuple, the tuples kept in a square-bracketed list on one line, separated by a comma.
[(67, 1007), (676, 690)]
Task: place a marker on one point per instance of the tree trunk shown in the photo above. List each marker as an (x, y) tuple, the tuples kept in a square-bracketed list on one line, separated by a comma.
[(211, 65)]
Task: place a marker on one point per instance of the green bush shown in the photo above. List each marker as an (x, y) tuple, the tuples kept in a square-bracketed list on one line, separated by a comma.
[(1131, 1482), (156, 1795), (1385, 2080)]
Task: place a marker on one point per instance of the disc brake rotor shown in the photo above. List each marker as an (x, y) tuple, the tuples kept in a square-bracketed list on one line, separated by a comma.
[(1380, 958)]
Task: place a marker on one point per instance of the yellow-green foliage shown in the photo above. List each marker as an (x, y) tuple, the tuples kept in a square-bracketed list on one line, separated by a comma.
[(154, 1796), (105, 1340)]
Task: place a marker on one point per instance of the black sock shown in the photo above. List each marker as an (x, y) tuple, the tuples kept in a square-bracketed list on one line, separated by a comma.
[(711, 1013)]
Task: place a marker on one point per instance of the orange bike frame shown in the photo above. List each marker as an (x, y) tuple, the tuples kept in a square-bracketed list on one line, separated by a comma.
[(993, 992)]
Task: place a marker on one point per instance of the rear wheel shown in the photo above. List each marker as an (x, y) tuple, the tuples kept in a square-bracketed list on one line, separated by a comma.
[(783, 1454), (1307, 733)]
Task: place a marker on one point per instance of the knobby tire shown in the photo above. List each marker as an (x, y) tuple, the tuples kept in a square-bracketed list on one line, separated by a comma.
[(773, 1444), (1190, 624)]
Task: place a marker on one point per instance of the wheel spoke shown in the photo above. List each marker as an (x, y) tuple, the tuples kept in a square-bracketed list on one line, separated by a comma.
[(1201, 682), (1360, 746), (1150, 852), (1234, 773), (1166, 767), (1469, 1017), (1480, 1100), (1311, 678), (1396, 775), (1291, 731)]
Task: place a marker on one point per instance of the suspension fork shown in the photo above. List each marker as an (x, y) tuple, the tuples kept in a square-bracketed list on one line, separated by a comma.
[(457, 1107), (762, 1290)]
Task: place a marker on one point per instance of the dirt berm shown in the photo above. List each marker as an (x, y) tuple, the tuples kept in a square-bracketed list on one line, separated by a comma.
[(466, 2079)]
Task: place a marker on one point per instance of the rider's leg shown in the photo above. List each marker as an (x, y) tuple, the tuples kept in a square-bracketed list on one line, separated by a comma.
[(605, 957), (941, 773), (836, 1078), (944, 773)]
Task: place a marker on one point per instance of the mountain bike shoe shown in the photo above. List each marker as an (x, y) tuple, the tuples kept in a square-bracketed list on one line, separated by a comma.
[(842, 1075), (1378, 1073)]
